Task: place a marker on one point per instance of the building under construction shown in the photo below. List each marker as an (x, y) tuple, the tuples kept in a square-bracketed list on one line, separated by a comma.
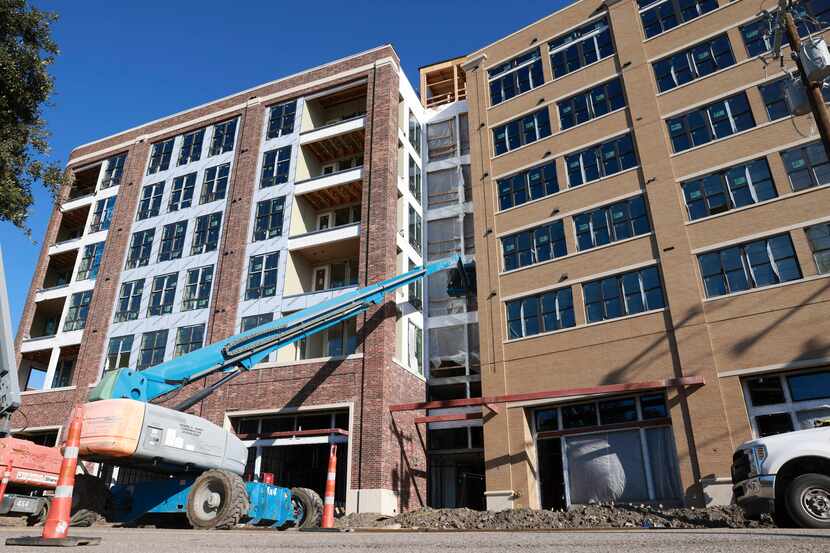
[(652, 242)]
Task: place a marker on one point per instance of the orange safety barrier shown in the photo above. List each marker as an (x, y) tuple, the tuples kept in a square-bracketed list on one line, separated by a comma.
[(328, 501)]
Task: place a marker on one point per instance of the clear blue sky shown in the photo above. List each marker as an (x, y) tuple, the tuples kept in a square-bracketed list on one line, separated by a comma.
[(125, 63)]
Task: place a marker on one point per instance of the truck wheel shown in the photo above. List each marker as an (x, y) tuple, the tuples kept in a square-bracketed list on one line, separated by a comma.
[(38, 518), (217, 499), (90, 500), (808, 500), (308, 507)]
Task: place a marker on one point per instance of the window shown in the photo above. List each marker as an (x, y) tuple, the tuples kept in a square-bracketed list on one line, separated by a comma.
[(337, 341), (102, 215), (90, 261), (162, 294), (181, 197), (611, 223), (581, 47), (275, 166), (189, 338), (625, 294), (281, 119), (150, 202), (415, 229), (717, 120), (197, 288), (773, 95), (206, 235), (113, 171), (819, 238), (215, 183), (416, 347), (140, 246), (191, 149), (785, 402), (129, 301), (591, 104), (415, 179), (695, 62), (441, 140), (160, 154), (262, 276), (224, 135), (254, 321), (546, 312), (78, 311), (172, 241), (806, 166), (658, 16), (63, 373), (534, 245), (515, 76), (442, 188), (522, 131), (730, 188), (414, 133), (415, 291), (601, 160), (268, 223), (751, 265), (528, 185), (811, 16), (443, 239), (153, 345), (467, 182), (464, 133), (118, 352)]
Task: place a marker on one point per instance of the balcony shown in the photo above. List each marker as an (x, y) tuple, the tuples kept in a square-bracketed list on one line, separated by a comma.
[(46, 318), (333, 108), (84, 184), (59, 270), (73, 224), (336, 187), (318, 270)]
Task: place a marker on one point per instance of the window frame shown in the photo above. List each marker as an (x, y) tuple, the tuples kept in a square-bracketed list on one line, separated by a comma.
[(727, 190), (511, 71), (206, 233), (90, 261), (161, 153), (611, 226), (178, 233), (149, 204), (162, 294), (276, 167), (181, 192), (578, 38), (264, 222), (549, 238), (266, 277), (196, 293), (215, 183), (598, 152), (822, 267), (677, 14), (694, 65), (517, 129), (516, 312), (128, 305), (102, 214), (747, 266), (222, 134), (621, 295), (688, 130), (120, 341), (191, 147), (592, 106), (154, 348), (280, 112), (140, 248), (184, 339), (77, 312)]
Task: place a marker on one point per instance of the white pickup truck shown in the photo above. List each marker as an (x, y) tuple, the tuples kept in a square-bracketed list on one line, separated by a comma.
[(787, 476)]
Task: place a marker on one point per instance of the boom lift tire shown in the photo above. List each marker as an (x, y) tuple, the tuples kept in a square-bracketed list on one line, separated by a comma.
[(90, 500), (217, 500), (309, 504)]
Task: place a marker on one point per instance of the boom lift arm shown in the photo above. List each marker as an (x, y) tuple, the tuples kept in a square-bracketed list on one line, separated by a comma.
[(240, 353)]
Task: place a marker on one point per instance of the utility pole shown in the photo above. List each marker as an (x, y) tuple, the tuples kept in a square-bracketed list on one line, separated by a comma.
[(813, 89)]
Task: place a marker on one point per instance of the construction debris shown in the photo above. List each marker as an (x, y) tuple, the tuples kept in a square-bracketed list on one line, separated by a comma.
[(595, 516)]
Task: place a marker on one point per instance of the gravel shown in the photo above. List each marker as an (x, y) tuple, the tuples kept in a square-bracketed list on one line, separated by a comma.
[(579, 517)]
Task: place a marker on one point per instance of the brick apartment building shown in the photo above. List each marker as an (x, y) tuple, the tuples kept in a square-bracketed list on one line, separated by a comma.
[(651, 228)]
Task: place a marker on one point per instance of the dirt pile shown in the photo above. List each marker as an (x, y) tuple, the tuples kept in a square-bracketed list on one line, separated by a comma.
[(587, 516)]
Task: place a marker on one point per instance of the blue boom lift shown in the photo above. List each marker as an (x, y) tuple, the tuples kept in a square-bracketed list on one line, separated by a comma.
[(202, 463)]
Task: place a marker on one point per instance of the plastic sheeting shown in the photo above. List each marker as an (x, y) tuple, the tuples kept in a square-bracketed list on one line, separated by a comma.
[(610, 466), (443, 187), (441, 139), (447, 347), (606, 467)]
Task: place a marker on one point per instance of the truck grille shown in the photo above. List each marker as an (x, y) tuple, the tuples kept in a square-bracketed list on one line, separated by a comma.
[(741, 466)]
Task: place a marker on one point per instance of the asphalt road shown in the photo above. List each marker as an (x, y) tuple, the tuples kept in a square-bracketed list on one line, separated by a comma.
[(676, 541)]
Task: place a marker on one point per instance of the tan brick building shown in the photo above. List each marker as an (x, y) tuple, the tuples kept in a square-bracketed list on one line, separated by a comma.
[(650, 226)]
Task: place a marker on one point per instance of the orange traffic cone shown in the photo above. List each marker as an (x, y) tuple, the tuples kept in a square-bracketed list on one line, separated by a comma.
[(328, 501), (60, 510)]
